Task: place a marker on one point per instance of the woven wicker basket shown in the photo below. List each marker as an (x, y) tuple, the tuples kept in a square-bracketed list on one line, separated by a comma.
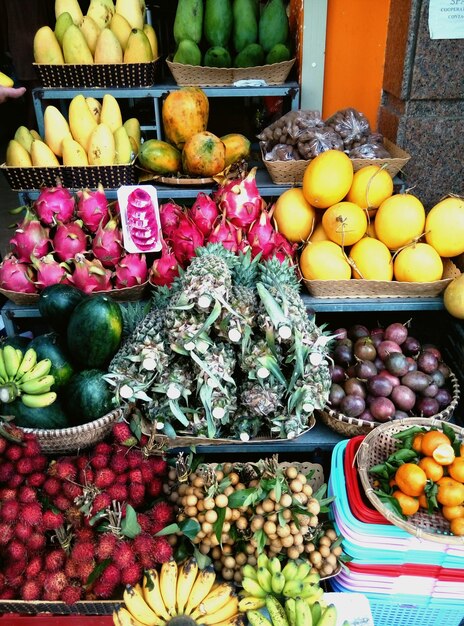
[(186, 75), (359, 288), (353, 426), (85, 607), (126, 294), (61, 440), (374, 449), (291, 172), (98, 75)]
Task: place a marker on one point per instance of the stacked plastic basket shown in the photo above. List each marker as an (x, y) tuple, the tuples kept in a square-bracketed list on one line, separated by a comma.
[(407, 580)]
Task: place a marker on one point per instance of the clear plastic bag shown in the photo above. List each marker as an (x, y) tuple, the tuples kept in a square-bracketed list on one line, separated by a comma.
[(279, 152), (288, 128), (369, 151), (317, 140), (352, 126)]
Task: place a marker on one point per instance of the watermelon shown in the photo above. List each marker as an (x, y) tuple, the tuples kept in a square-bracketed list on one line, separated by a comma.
[(57, 302), (49, 346), (49, 417), (87, 396)]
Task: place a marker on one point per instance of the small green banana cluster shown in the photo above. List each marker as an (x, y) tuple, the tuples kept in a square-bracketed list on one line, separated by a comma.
[(295, 612), (21, 375)]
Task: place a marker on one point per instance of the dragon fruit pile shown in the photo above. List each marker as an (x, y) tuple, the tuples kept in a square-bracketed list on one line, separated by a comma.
[(236, 216), (79, 527), (74, 239)]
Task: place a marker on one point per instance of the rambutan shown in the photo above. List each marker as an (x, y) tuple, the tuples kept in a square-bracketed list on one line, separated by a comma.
[(86, 476), (71, 594), (36, 542), (17, 550), (52, 486), (34, 567), (16, 480), (62, 502), (6, 471), (3, 445), (22, 531), (8, 494), (131, 575), (39, 463), (135, 476), (6, 533), (118, 462), (123, 435), (51, 520), (134, 458), (163, 550), (101, 502), (84, 570), (111, 575), (55, 560), (31, 590), (14, 452), (144, 439), (9, 511), (162, 512), (155, 488), (36, 479), (122, 479), (147, 471), (32, 448), (8, 593), (31, 513), (104, 478), (158, 464), (72, 490), (27, 494), (74, 516), (51, 596), (136, 494), (64, 468), (55, 582), (105, 546), (123, 554), (25, 466), (143, 544), (103, 590), (99, 461), (145, 522), (83, 551), (71, 568), (103, 448), (84, 535), (117, 492), (82, 462)]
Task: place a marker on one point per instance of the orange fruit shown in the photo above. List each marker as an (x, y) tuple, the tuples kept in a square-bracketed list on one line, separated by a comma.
[(457, 526), (431, 440), (432, 469), (294, 216), (370, 187), (450, 492), (453, 512), (408, 504), (456, 469), (399, 220), (327, 179), (318, 234), (444, 227), (411, 479), (372, 258), (423, 501), (345, 223), (444, 454), (461, 449), (324, 260), (417, 442), (418, 263)]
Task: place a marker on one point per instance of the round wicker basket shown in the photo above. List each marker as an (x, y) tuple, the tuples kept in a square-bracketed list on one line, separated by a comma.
[(353, 426), (374, 449), (61, 440)]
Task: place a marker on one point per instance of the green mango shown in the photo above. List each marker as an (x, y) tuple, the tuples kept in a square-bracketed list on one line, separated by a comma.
[(251, 56), (217, 26), (187, 53), (245, 24), (188, 21), (280, 52), (273, 25)]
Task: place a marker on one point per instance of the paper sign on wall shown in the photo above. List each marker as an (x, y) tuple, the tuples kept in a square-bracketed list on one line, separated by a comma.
[(446, 19)]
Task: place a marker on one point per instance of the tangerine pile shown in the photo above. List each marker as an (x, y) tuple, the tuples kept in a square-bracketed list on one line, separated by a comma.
[(435, 481)]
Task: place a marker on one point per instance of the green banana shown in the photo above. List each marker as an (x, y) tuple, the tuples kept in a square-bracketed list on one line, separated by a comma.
[(27, 363), (38, 385), (42, 368), (257, 619), (274, 565), (253, 588), (263, 560), (303, 613), (290, 570), (276, 612), (315, 597), (248, 571), (277, 583), (312, 579), (316, 612), (12, 361), (308, 591), (264, 579), (38, 401), (3, 374), (329, 616), (293, 589), (303, 570), (290, 610)]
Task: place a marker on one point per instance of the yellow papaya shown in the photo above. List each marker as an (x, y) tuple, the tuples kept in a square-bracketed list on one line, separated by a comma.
[(237, 147), (185, 112), (203, 154), (160, 157)]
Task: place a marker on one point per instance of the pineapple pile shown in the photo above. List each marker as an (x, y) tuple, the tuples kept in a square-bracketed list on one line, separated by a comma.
[(229, 351)]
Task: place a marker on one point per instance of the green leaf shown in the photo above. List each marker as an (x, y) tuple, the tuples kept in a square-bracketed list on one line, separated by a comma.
[(278, 490), (281, 518), (177, 412), (168, 530), (129, 525), (190, 528), (238, 498), (135, 425), (97, 572), (219, 523), (260, 538), (449, 432), (225, 482), (403, 434), (97, 517), (203, 560), (320, 493)]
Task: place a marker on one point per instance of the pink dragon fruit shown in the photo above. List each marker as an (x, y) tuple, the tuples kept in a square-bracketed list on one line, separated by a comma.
[(16, 276), (106, 245), (30, 239), (90, 276), (164, 269), (131, 270), (262, 236), (185, 239), (69, 240), (50, 271), (204, 213), (283, 248), (92, 208), (240, 200), (170, 215), (227, 234), (55, 204)]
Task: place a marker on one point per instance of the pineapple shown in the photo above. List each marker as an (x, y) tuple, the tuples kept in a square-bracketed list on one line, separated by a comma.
[(207, 278), (132, 314), (245, 426), (262, 398)]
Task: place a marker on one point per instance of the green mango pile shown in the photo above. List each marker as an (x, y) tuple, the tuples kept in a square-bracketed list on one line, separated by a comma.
[(231, 33)]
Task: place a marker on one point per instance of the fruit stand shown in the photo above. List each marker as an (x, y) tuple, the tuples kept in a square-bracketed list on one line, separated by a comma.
[(230, 384)]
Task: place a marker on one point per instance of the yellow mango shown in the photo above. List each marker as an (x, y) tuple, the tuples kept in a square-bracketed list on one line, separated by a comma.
[(81, 121), (132, 11), (110, 113), (101, 11), (6, 81), (138, 48), (63, 22), (47, 49), (108, 48), (102, 149), (121, 28), (17, 155), (152, 38), (36, 135), (132, 126), (123, 147), (24, 136), (94, 107), (56, 128), (42, 155), (68, 6), (75, 48), (90, 30), (73, 153)]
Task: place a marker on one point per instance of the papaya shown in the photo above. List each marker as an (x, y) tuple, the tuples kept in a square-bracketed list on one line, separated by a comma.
[(273, 25), (185, 112), (218, 22), (204, 154), (237, 147), (217, 56), (245, 23), (160, 157), (251, 56), (187, 53), (188, 21), (280, 52)]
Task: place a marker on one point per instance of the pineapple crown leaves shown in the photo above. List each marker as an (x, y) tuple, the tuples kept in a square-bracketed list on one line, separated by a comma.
[(219, 250), (274, 310), (273, 272), (132, 314), (245, 271)]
